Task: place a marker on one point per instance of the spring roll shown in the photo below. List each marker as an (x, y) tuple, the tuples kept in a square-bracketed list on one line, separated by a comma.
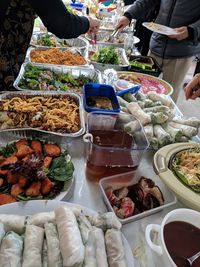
[(138, 113), (40, 219), (84, 226), (162, 98), (11, 250), (188, 131), (71, 245), (13, 223), (105, 221), (115, 248), (2, 232), (53, 246), (194, 122), (33, 243), (101, 255), (90, 251)]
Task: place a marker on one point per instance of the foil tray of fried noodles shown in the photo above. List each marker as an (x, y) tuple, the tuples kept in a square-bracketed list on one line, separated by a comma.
[(48, 112)]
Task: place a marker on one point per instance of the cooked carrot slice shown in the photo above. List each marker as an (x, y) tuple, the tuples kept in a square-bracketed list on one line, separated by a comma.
[(47, 162), (16, 190), (9, 160), (47, 185), (12, 178), (34, 189), (23, 151), (22, 181), (21, 142), (6, 199), (36, 146), (52, 150)]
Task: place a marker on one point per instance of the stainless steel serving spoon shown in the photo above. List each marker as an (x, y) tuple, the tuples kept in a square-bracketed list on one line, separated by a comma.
[(187, 261)]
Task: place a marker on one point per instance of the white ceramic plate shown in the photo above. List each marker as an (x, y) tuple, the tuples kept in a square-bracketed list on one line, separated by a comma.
[(36, 206), (155, 27)]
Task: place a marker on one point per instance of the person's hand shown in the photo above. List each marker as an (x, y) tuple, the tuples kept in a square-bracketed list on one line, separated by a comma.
[(94, 25), (122, 23), (182, 33), (192, 90)]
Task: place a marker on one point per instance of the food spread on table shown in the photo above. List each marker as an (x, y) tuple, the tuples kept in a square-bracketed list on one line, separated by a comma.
[(57, 56), (37, 78), (35, 168), (186, 165), (54, 113), (134, 199), (31, 169)]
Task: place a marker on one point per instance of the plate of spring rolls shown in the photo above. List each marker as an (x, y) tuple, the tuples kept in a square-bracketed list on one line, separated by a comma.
[(54, 233)]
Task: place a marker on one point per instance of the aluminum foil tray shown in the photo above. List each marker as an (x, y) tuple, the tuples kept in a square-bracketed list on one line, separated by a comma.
[(95, 75), (13, 136), (76, 97), (121, 67), (74, 50), (102, 36), (79, 42)]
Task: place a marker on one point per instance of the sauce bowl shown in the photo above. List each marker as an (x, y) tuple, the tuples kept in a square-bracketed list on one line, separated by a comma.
[(161, 254)]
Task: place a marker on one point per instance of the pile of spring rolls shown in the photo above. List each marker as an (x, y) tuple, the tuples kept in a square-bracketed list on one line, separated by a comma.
[(64, 237)]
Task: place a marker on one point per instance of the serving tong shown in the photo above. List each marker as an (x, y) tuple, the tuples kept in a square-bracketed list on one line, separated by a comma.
[(113, 35)]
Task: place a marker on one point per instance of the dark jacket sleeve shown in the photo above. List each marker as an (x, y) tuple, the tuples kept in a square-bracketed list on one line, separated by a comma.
[(58, 20), (138, 8), (196, 30)]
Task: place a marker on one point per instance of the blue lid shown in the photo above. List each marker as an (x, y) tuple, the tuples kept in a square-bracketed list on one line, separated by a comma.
[(102, 90)]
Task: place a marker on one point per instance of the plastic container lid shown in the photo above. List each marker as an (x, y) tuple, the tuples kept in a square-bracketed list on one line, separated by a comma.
[(101, 90)]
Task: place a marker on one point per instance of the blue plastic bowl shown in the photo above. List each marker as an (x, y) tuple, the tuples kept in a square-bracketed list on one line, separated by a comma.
[(104, 90)]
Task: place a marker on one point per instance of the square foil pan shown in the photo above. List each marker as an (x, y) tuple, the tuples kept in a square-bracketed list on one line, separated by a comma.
[(75, 71), (76, 97), (74, 50), (121, 67), (79, 42), (15, 135)]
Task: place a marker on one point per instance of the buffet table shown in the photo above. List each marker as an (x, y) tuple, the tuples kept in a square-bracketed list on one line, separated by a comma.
[(88, 194)]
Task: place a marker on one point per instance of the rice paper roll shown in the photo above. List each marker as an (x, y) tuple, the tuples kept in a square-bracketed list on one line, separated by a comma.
[(162, 98), (44, 254), (115, 248), (193, 121), (101, 255), (13, 223), (105, 221), (33, 243), (11, 250), (138, 113), (40, 219), (84, 226), (53, 246), (132, 127), (2, 232), (90, 251), (188, 131), (163, 137), (71, 245)]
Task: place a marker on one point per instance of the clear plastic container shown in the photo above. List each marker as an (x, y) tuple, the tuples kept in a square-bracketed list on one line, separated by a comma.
[(115, 144), (129, 179)]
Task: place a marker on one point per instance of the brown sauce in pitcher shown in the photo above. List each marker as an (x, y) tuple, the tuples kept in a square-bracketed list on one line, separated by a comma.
[(182, 241), (105, 160)]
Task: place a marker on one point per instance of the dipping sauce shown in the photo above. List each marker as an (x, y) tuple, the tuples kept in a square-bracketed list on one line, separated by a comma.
[(110, 153), (99, 102), (182, 241)]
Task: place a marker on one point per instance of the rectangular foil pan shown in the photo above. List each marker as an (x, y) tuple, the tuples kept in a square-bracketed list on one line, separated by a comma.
[(76, 97)]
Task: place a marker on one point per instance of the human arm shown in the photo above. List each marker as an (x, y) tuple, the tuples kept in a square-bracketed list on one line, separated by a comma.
[(58, 20), (135, 11), (192, 90)]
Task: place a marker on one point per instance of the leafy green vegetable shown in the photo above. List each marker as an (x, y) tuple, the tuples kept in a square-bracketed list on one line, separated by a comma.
[(8, 150), (107, 55), (62, 168), (47, 40)]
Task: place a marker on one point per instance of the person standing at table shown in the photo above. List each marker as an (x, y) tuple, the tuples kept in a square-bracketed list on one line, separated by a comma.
[(16, 26), (174, 53)]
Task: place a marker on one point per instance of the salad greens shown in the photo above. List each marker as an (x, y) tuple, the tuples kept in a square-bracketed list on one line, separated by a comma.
[(107, 55), (47, 40), (8, 150), (35, 78)]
